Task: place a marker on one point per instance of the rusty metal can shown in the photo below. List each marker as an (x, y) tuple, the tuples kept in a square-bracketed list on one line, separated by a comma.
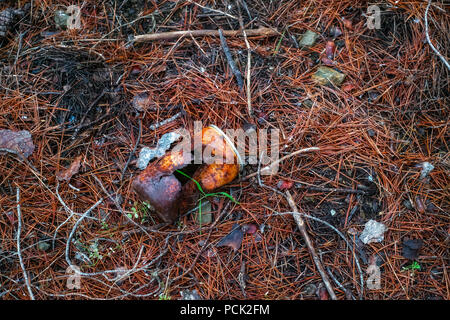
[(158, 185)]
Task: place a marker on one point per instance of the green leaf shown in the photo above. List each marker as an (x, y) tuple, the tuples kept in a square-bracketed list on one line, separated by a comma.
[(413, 266), (279, 43), (200, 214), (205, 195), (145, 203), (195, 181)]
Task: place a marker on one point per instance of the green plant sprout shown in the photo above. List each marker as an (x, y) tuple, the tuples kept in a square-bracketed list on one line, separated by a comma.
[(141, 211), (205, 195), (105, 226), (164, 296), (134, 215), (95, 252), (277, 48), (413, 266)]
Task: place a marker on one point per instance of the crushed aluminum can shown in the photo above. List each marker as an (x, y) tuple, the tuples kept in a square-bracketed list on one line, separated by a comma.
[(158, 185)]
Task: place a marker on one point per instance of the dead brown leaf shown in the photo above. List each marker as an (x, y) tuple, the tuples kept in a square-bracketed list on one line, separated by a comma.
[(233, 239), (70, 171), (330, 48), (19, 142), (285, 184)]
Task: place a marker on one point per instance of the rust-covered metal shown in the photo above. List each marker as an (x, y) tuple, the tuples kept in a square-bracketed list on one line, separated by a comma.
[(214, 176), (158, 185), (210, 177)]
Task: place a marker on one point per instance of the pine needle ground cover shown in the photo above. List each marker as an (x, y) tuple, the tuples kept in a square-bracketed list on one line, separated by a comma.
[(360, 83)]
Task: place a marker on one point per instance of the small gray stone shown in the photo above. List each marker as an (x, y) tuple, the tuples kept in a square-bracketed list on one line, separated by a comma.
[(148, 154), (373, 232), (426, 169), (308, 39), (308, 103), (310, 289), (325, 76), (190, 295), (61, 18), (43, 245), (408, 204)]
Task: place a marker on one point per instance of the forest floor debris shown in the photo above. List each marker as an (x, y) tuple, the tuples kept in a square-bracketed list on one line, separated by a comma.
[(367, 140)]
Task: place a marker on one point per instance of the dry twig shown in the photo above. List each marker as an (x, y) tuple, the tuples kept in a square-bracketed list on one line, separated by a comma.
[(249, 62), (262, 31), (166, 121), (273, 164), (301, 225), (69, 239), (19, 253), (213, 10), (237, 73), (429, 40)]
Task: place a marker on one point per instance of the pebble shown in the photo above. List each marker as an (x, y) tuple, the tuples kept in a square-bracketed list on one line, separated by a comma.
[(408, 204), (43, 245), (308, 39), (61, 18), (373, 232), (327, 76)]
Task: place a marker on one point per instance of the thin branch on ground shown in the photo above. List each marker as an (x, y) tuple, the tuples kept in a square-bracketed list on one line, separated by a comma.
[(338, 283), (249, 60), (301, 225), (166, 121), (237, 73), (19, 253), (361, 278), (262, 31), (213, 10), (244, 4), (295, 213), (429, 40), (67, 209), (324, 189), (269, 167), (69, 239)]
